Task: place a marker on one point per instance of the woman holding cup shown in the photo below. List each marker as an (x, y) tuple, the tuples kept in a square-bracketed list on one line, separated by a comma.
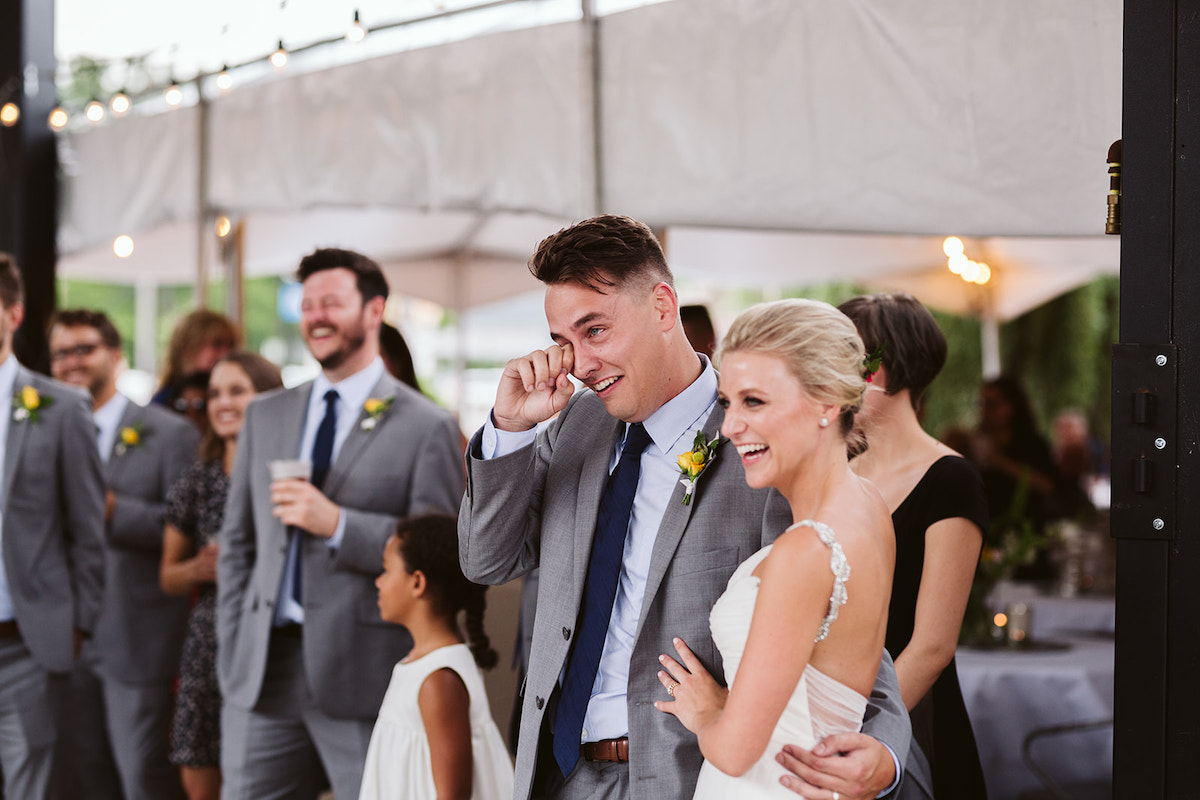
[(195, 507)]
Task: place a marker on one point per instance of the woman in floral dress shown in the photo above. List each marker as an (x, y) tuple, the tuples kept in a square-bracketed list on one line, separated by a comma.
[(195, 506)]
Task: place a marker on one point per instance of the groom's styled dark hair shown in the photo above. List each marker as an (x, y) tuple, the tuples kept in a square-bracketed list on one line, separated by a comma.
[(601, 253)]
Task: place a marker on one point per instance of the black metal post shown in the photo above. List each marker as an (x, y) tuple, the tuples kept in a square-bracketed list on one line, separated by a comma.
[(1156, 424), (29, 165)]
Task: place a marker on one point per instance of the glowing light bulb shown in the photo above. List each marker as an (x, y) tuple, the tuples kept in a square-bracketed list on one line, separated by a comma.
[(357, 32), (224, 80), (223, 226), (957, 262), (9, 114), (952, 247), (94, 111), (970, 272), (173, 95), (123, 246), (58, 118), (1001, 619), (985, 274), (279, 58), (120, 104)]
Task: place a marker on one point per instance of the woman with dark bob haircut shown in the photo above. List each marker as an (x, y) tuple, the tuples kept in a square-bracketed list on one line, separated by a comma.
[(940, 514)]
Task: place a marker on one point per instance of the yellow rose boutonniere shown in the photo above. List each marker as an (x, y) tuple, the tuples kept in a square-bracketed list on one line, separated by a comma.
[(129, 438), (695, 461), (27, 404), (375, 409)]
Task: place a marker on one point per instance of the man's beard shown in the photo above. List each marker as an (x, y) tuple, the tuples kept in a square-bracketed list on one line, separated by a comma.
[(353, 343)]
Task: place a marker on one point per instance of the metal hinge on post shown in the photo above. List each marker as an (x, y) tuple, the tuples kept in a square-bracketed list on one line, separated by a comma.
[(1144, 433)]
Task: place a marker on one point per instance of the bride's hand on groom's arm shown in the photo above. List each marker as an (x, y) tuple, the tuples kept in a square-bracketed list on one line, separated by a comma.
[(698, 699), (855, 765)]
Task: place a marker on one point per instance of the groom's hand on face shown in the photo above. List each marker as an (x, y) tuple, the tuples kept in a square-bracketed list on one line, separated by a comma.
[(534, 388)]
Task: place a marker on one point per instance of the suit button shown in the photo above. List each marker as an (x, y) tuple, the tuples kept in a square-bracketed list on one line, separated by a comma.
[(566, 633), (539, 702), (268, 603)]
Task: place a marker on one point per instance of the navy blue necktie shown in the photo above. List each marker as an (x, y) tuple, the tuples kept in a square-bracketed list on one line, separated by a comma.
[(599, 591), (322, 456)]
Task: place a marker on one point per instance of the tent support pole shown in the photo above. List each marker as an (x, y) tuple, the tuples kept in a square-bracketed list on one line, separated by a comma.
[(145, 319), (592, 25), (202, 215)]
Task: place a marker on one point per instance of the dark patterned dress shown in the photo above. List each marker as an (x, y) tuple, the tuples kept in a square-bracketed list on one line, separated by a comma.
[(195, 505), (950, 488)]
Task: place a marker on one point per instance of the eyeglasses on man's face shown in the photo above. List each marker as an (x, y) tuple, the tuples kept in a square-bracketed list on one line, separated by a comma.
[(78, 351)]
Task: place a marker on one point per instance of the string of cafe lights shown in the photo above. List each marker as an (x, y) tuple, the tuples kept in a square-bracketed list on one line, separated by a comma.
[(976, 272), (173, 95)]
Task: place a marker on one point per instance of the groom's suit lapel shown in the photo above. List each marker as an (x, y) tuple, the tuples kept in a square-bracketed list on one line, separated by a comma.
[(592, 478), (17, 433), (116, 463), (674, 523)]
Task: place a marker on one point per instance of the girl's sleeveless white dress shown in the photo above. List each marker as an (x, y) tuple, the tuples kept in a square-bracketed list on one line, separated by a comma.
[(820, 706), (398, 762)]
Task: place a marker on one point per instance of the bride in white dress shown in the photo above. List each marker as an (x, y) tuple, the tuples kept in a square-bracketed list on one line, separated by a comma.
[(800, 638)]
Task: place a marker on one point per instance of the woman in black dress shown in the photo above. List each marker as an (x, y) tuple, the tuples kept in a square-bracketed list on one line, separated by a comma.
[(940, 514), (195, 507)]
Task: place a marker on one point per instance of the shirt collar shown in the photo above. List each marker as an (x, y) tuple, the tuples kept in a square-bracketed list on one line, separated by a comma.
[(8, 374), (683, 412), (354, 390), (108, 416)]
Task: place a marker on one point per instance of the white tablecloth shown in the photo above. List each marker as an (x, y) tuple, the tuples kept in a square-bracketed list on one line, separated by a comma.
[(1010, 694)]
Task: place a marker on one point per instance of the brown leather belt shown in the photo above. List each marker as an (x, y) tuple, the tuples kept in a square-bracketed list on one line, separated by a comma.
[(9, 630), (611, 750)]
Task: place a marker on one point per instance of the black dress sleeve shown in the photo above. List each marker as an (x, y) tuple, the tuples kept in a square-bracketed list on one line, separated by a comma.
[(183, 501), (961, 493)]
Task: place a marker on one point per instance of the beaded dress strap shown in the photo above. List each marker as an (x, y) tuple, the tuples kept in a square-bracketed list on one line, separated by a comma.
[(837, 564)]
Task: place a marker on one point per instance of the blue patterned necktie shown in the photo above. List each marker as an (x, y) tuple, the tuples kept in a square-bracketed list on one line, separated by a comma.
[(599, 592), (322, 456)]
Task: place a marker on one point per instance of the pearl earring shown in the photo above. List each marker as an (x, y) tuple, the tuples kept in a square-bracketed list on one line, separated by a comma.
[(824, 423)]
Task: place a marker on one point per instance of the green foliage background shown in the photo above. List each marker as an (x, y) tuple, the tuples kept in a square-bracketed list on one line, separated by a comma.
[(1062, 351)]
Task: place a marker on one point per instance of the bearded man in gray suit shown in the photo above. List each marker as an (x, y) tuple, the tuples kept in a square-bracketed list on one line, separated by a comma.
[(590, 730), (51, 540), (121, 692), (302, 654)]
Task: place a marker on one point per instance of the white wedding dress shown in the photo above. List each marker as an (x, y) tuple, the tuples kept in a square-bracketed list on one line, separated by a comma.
[(820, 706)]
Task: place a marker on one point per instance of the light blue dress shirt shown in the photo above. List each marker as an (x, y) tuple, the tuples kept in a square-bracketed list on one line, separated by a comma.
[(353, 392), (8, 376), (108, 419)]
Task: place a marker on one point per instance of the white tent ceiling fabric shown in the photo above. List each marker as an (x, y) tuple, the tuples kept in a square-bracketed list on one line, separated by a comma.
[(748, 130)]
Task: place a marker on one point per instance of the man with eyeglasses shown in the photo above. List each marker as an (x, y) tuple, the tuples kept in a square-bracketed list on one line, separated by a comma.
[(118, 711)]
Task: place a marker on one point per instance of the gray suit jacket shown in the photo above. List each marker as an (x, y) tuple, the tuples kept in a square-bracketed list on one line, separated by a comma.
[(140, 631), (537, 508), (408, 464), (53, 531)]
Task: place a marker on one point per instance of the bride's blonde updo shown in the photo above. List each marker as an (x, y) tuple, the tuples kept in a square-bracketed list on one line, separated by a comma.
[(819, 345)]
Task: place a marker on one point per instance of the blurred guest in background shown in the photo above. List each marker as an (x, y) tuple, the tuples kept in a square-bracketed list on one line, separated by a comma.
[(191, 395), (940, 515), (1080, 461), (198, 341), (698, 327), (119, 702), (53, 559), (1012, 455), (397, 358), (195, 507)]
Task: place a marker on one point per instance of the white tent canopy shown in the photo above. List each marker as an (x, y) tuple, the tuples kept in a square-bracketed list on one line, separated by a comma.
[(773, 141)]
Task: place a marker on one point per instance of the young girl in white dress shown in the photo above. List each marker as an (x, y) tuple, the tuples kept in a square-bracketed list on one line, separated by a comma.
[(801, 642), (435, 737)]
